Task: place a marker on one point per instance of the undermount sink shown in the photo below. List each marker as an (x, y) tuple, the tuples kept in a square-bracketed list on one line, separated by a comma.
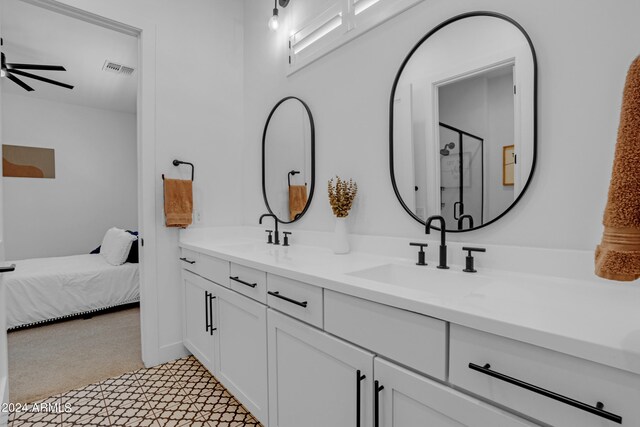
[(444, 283)]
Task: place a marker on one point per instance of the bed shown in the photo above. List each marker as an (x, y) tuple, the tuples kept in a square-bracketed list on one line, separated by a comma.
[(48, 289)]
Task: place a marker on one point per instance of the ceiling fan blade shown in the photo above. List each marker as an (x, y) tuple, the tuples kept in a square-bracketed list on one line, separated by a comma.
[(19, 82), (42, 79), (36, 67)]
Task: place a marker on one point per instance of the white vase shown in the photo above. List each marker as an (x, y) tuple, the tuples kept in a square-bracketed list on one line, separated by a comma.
[(340, 238)]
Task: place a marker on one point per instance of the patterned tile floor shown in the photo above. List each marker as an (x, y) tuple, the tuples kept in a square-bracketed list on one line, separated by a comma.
[(180, 393)]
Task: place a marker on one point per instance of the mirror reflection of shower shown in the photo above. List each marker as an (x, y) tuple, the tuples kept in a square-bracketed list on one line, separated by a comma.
[(445, 151)]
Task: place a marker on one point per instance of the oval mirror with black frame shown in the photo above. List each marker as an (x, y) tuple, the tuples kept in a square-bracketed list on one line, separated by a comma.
[(288, 160), (463, 121)]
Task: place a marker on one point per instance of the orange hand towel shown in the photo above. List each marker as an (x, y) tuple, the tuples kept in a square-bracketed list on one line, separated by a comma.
[(297, 200), (618, 256), (178, 202)]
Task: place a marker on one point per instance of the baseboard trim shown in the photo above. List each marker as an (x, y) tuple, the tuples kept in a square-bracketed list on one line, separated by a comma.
[(167, 353)]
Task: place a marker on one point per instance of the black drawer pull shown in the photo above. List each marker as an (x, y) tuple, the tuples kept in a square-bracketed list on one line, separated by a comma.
[(596, 410), (359, 378), (377, 388), (237, 279), (9, 269), (187, 260), (292, 301)]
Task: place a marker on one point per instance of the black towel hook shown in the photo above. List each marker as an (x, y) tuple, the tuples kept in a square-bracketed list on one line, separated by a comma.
[(180, 162)]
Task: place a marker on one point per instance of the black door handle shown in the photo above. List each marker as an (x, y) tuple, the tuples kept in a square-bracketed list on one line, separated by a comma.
[(206, 311), (211, 298), (9, 269), (596, 410), (359, 378), (292, 301), (187, 260), (458, 210), (376, 402), (237, 279)]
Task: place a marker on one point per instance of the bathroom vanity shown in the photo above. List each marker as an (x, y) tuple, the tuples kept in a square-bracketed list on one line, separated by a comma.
[(303, 337)]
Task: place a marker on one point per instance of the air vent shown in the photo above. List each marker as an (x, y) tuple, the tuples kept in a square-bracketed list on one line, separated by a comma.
[(113, 67)]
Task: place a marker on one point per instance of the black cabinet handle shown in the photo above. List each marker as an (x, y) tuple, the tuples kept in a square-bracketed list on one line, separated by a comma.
[(9, 269), (596, 410), (211, 298), (187, 260), (359, 378), (376, 402), (206, 311), (292, 301), (237, 279)]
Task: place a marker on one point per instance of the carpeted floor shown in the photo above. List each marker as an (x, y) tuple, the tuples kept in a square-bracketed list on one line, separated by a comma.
[(54, 359)]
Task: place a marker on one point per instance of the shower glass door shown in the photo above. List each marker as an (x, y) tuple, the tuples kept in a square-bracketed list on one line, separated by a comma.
[(461, 176)]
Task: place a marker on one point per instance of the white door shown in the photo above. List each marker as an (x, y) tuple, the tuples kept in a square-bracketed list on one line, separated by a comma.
[(199, 321), (241, 364), (315, 380), (406, 399)]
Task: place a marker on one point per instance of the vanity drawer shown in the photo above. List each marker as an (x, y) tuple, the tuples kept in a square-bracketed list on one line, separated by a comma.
[(585, 382), (189, 260), (214, 269), (414, 340), (248, 281), (296, 299)]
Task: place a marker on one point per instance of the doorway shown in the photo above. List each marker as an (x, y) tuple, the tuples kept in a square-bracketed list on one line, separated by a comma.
[(477, 120), (20, 44)]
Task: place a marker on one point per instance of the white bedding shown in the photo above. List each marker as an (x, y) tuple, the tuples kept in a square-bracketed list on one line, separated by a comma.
[(48, 288)]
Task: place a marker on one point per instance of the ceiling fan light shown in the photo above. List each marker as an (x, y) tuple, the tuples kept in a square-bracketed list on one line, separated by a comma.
[(3, 73)]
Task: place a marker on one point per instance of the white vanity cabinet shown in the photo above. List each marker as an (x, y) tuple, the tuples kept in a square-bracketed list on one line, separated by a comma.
[(199, 318), (316, 380), (300, 355), (226, 331), (405, 399), (241, 362)]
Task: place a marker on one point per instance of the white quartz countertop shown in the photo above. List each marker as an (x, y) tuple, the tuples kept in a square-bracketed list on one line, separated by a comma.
[(593, 320)]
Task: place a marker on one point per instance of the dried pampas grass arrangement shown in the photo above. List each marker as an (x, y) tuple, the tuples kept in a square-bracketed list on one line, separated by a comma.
[(342, 193)]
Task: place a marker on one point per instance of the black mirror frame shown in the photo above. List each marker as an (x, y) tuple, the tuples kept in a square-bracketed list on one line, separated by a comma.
[(535, 112), (313, 159)]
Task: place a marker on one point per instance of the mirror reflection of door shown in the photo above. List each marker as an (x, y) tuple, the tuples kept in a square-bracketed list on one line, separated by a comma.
[(476, 118)]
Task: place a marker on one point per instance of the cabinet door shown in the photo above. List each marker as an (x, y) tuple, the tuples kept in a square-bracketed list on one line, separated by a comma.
[(242, 350), (198, 326), (313, 377), (405, 399)]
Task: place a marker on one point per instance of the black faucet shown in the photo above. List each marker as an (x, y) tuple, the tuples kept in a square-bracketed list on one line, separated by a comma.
[(276, 237), (461, 221), (442, 264)]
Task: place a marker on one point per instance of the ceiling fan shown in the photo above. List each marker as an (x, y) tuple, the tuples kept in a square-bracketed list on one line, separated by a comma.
[(11, 70)]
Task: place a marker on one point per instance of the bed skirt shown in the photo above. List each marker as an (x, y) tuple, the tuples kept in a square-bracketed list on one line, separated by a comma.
[(104, 310)]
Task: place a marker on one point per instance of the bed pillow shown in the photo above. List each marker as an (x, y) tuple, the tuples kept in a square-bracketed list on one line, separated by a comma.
[(134, 255), (116, 246)]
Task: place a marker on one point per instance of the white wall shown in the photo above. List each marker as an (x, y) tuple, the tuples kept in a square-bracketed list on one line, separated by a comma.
[(192, 67), (581, 76), (95, 187)]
